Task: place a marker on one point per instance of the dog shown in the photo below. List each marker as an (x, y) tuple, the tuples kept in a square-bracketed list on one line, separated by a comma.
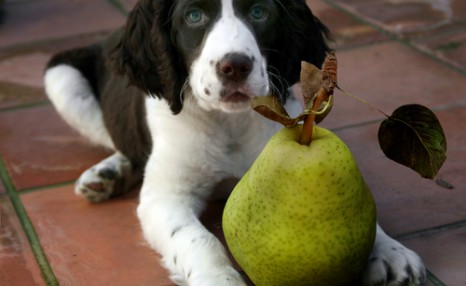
[(170, 93)]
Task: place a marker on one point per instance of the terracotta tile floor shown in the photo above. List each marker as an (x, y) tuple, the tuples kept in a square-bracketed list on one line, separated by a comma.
[(390, 52)]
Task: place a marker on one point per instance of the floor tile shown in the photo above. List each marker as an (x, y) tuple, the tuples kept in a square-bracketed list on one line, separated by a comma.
[(388, 76), (406, 202), (17, 263), (49, 19), (93, 244), (436, 27), (449, 46), (21, 72), (53, 46), (40, 149), (410, 16), (21, 79), (12, 95), (24, 69), (347, 32), (455, 165), (444, 255)]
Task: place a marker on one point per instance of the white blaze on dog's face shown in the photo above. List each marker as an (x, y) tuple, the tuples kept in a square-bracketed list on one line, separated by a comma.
[(230, 69), (229, 66)]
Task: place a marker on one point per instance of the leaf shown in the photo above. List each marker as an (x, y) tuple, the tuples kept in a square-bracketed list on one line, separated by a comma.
[(311, 81), (329, 72), (318, 85), (271, 108), (413, 137), (312, 78)]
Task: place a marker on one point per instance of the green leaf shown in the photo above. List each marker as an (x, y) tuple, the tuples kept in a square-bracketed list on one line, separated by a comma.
[(413, 137)]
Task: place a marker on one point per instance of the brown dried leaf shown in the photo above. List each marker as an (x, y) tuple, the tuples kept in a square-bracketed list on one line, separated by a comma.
[(319, 83), (311, 81), (271, 108), (329, 73)]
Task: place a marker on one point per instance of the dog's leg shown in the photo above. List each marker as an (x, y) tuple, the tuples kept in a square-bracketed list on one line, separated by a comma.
[(169, 212), (71, 94), (109, 178), (393, 264)]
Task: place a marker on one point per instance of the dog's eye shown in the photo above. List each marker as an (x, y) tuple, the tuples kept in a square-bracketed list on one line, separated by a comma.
[(258, 12), (195, 16)]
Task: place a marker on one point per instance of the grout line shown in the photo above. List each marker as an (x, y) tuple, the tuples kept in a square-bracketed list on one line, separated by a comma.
[(25, 106), (364, 45), (434, 279), (28, 228), (51, 186), (356, 125), (435, 109), (431, 231), (404, 41), (450, 106), (363, 20), (42, 44)]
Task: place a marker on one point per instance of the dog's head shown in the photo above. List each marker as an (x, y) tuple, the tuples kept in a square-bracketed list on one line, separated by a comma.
[(221, 52)]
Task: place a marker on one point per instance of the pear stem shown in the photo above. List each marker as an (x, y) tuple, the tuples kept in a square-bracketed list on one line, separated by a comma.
[(329, 82), (306, 133)]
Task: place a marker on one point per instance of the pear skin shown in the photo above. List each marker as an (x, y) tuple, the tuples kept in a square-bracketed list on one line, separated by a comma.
[(301, 215)]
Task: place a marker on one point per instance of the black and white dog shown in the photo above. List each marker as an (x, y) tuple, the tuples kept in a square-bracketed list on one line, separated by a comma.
[(170, 93)]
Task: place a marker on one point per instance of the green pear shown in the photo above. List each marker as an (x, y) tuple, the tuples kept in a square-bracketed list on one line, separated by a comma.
[(302, 214)]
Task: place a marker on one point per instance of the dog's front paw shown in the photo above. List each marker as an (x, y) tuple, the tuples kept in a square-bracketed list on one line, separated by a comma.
[(103, 180), (217, 277), (223, 277), (392, 264)]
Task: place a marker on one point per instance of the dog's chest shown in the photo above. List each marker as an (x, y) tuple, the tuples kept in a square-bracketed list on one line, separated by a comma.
[(239, 138), (225, 144)]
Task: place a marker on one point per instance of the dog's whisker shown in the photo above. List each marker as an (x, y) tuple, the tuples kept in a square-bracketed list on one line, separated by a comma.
[(283, 84), (184, 89)]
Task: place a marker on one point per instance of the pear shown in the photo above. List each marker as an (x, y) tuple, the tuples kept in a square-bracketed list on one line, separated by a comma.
[(302, 214)]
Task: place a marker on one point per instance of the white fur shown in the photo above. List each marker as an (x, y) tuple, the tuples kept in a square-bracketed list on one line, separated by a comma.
[(229, 35), (73, 98), (389, 257)]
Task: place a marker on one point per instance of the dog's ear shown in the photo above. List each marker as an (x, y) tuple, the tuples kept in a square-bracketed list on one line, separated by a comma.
[(302, 38), (146, 55)]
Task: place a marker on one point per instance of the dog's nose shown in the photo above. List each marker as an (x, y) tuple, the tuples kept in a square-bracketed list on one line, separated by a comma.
[(234, 67)]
